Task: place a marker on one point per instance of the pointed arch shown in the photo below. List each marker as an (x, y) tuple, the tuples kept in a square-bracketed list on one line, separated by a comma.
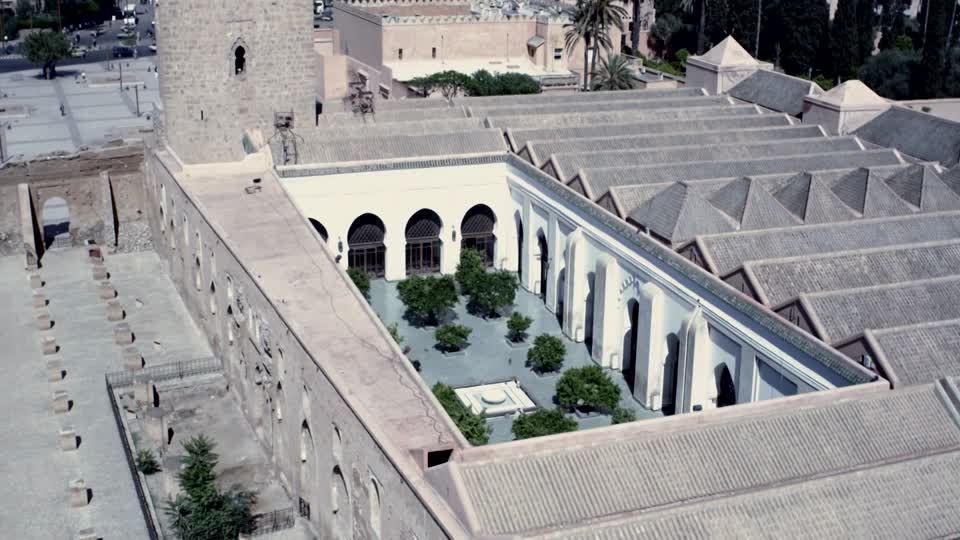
[(423, 242), (476, 232), (239, 56), (367, 248)]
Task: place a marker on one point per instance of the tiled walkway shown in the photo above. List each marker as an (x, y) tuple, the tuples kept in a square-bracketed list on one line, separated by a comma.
[(489, 359)]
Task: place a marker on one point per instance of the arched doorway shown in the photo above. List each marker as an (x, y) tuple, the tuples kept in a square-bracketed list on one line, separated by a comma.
[(519, 247), (423, 242), (544, 263), (321, 230), (307, 468), (55, 216), (367, 250), (629, 368), (476, 231)]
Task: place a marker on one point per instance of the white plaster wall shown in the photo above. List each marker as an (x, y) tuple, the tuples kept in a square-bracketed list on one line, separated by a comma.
[(394, 196)]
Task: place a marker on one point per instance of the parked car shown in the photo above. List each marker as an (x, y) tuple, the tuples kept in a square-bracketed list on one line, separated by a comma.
[(123, 52), (78, 52)]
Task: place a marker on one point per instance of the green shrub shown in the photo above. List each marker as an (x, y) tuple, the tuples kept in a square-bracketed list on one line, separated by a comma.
[(360, 279), (395, 333), (473, 426), (491, 291), (147, 462), (452, 337), (542, 422), (517, 326), (428, 297), (622, 416), (469, 269), (547, 353), (587, 386)]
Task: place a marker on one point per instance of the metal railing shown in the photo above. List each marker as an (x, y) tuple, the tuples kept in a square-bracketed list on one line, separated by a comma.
[(152, 531), (274, 521), (165, 372)]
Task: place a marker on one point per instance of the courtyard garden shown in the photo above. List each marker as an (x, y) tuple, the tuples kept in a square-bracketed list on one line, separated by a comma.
[(478, 328)]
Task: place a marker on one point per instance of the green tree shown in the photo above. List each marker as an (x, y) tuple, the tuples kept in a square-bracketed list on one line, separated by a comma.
[(795, 29), (510, 84), (930, 75), (469, 269), (662, 33), (452, 337), (449, 83), (473, 426), (147, 462), (615, 74), (866, 29), (547, 354), (427, 298), (542, 422), (517, 326), (588, 387), (701, 8), (843, 39), (622, 415), (203, 511), (576, 31), (903, 43), (360, 279), (492, 291), (395, 333), (602, 15), (890, 72), (45, 49)]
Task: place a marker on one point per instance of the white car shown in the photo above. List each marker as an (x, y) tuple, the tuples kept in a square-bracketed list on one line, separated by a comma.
[(153, 48), (78, 52)]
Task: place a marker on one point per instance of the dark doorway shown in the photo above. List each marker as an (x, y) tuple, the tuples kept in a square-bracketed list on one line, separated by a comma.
[(630, 344), (588, 313), (544, 263), (55, 216), (321, 230), (423, 243), (519, 249), (239, 60), (561, 295), (476, 231), (367, 251)]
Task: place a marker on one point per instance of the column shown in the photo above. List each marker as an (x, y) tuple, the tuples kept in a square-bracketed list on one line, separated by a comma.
[(396, 259), (651, 348), (607, 318), (553, 263), (696, 386), (748, 374), (575, 296), (529, 244)]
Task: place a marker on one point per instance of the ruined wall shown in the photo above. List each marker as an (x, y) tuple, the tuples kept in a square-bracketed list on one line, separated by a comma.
[(103, 189), (322, 451)]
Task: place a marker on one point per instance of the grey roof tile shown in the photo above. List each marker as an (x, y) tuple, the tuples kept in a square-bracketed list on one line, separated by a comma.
[(678, 214), (500, 110), (847, 313), (775, 90), (580, 97), (587, 118), (916, 133), (630, 127), (727, 252), (781, 280), (646, 471), (921, 353)]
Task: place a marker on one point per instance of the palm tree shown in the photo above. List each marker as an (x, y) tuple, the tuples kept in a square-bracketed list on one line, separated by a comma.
[(578, 29), (603, 15), (635, 30), (688, 6), (615, 74)]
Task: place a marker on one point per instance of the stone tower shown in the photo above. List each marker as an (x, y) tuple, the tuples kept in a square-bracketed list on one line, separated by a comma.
[(226, 66)]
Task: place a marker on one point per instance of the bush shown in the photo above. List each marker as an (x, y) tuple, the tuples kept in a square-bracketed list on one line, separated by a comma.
[(542, 422), (473, 426), (622, 416), (547, 354), (202, 511), (588, 387), (395, 333), (46, 48), (427, 298), (517, 326), (147, 462), (452, 337), (361, 280), (469, 269), (492, 291)]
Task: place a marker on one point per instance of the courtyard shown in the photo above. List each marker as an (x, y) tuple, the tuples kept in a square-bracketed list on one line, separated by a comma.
[(489, 359)]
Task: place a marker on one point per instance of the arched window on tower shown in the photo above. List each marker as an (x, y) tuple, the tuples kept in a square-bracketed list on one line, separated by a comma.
[(239, 60)]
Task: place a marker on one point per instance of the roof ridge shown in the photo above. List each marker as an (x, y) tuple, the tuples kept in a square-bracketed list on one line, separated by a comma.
[(849, 252), (927, 324), (899, 284)]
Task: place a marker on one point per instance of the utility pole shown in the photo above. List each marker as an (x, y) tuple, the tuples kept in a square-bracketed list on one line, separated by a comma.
[(120, 63), (136, 92)]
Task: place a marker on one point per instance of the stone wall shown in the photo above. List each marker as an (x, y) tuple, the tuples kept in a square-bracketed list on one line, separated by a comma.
[(103, 189), (323, 452), (207, 104)]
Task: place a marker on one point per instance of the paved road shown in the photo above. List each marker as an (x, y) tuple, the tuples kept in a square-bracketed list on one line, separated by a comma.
[(105, 44)]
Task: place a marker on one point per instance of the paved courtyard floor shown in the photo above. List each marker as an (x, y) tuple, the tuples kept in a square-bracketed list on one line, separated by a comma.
[(96, 110), (488, 358)]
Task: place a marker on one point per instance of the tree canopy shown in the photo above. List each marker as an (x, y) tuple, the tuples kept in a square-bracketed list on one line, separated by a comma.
[(45, 49), (589, 387), (493, 291), (547, 354), (428, 298), (614, 73), (482, 83), (473, 426), (542, 422)]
